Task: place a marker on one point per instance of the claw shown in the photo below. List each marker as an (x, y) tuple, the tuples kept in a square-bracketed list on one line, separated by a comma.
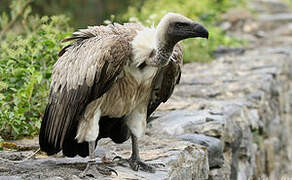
[(114, 171), (135, 164), (107, 171), (117, 157), (118, 160), (145, 167), (95, 171), (158, 165)]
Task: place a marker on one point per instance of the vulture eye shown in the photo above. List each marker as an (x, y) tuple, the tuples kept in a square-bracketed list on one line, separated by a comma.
[(180, 25), (142, 65)]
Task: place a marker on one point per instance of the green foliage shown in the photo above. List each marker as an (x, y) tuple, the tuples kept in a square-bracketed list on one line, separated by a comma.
[(207, 12), (289, 2), (26, 59)]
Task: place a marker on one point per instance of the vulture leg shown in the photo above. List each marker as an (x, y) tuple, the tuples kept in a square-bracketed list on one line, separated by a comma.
[(92, 169), (135, 161)]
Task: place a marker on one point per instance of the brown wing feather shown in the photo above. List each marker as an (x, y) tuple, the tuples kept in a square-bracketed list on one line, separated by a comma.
[(85, 71), (165, 81)]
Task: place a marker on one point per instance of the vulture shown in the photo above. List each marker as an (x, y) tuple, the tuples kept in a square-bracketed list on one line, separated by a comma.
[(108, 82)]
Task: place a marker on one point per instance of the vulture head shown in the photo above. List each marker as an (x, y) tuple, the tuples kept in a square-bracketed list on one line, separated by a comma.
[(171, 29)]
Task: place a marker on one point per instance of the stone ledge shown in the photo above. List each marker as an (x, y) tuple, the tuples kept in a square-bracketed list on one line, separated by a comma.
[(243, 101), (182, 160)]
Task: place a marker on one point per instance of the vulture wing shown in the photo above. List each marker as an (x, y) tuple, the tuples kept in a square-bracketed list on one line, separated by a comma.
[(85, 71), (165, 80)]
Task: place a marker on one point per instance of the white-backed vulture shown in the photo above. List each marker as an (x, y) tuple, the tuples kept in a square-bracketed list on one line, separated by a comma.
[(109, 81)]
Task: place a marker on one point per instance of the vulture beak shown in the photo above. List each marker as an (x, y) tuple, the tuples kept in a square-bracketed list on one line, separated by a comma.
[(199, 30)]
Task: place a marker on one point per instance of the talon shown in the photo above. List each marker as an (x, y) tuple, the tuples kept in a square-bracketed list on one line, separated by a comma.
[(114, 171), (95, 171), (146, 167), (138, 166), (158, 165), (117, 157)]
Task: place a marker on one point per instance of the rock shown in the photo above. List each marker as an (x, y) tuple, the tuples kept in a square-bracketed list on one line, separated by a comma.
[(225, 26), (227, 50), (270, 6), (54, 178), (272, 21), (10, 178), (287, 51), (250, 27), (276, 17), (180, 122), (260, 34), (186, 168), (182, 159), (220, 173), (235, 15), (213, 145)]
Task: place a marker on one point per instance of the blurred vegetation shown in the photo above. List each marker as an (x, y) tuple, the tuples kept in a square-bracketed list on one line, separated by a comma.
[(81, 12), (31, 34), (289, 2), (25, 67)]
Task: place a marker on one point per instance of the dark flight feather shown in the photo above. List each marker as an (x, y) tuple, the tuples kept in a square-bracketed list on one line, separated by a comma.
[(66, 104)]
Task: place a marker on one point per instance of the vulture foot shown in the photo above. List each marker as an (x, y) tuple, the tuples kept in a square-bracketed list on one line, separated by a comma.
[(137, 164), (97, 171)]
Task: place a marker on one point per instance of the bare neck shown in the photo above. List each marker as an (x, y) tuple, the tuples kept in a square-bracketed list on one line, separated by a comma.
[(163, 51)]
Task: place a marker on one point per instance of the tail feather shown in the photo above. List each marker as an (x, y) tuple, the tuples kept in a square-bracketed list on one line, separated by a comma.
[(60, 121), (45, 144)]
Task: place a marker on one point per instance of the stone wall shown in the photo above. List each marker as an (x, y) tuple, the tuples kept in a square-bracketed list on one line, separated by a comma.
[(240, 102), (229, 119)]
